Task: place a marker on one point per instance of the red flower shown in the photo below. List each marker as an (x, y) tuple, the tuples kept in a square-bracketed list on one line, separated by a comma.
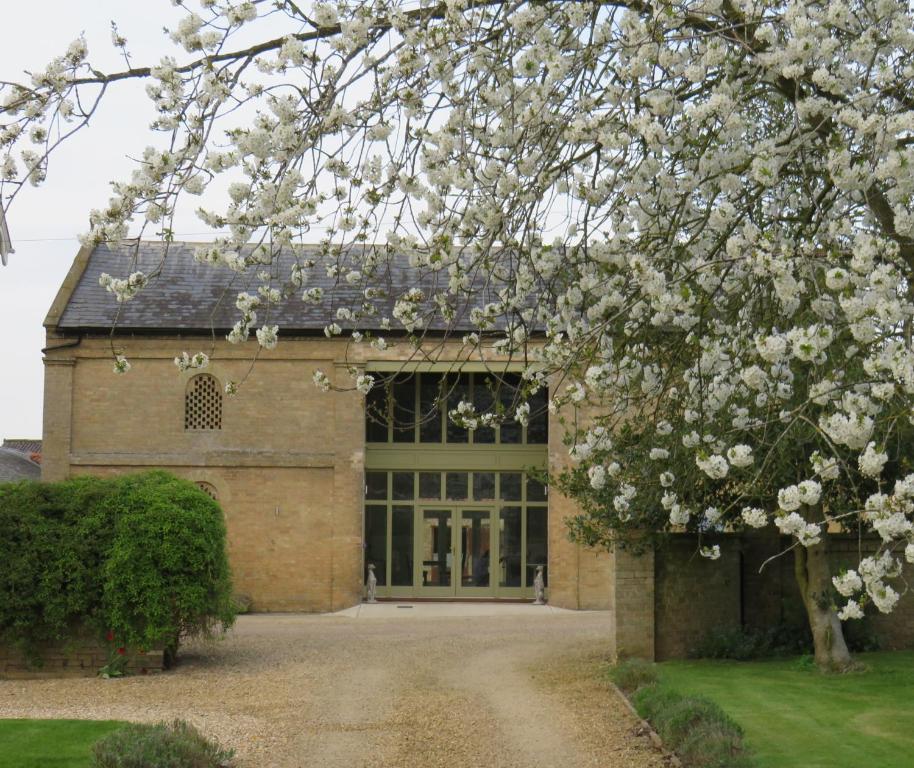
[(110, 636), (121, 651)]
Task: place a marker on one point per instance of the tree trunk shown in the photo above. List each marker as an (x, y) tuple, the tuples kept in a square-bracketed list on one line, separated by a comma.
[(814, 579)]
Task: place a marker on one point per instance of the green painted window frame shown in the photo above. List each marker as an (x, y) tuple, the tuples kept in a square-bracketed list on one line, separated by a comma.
[(416, 376), (418, 505)]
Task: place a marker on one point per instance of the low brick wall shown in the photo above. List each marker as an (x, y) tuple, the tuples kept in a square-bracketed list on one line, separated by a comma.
[(79, 658)]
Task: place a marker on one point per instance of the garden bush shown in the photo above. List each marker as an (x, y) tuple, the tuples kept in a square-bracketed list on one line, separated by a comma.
[(744, 644), (632, 674), (695, 728), (139, 560), (163, 745)]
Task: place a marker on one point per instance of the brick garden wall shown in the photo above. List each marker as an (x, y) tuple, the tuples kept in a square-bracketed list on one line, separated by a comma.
[(694, 595), (80, 658), (773, 596)]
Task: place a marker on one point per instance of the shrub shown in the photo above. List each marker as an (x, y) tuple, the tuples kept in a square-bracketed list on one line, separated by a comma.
[(695, 728), (744, 644), (632, 674), (140, 559), (164, 745)]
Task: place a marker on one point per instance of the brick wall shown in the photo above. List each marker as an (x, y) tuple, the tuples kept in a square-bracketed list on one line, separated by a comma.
[(79, 658), (692, 594)]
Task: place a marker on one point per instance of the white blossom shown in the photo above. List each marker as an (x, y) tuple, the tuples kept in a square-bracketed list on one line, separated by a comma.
[(740, 456), (754, 517), (872, 461), (848, 583)]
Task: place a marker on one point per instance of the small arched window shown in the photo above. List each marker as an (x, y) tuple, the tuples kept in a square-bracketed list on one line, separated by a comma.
[(203, 403), (208, 489)]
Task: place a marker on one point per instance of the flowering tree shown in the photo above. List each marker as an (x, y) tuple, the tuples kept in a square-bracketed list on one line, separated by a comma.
[(696, 216)]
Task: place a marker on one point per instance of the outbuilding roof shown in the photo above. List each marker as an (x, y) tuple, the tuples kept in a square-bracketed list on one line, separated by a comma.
[(189, 296), (15, 466), (27, 446)]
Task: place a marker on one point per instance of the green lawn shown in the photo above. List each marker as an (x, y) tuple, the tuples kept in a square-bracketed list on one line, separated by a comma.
[(795, 717), (50, 743)]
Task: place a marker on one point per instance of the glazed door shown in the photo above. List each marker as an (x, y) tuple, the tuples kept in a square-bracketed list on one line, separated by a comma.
[(435, 552), (476, 553)]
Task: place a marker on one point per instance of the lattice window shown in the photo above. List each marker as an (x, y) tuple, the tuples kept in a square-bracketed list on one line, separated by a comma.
[(203, 403), (209, 490)]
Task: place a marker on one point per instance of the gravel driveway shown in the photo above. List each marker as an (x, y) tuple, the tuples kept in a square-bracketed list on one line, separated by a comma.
[(341, 692)]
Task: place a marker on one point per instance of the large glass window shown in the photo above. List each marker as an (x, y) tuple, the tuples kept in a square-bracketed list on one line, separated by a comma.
[(509, 540), (413, 408), (376, 541), (401, 540), (409, 514), (537, 543)]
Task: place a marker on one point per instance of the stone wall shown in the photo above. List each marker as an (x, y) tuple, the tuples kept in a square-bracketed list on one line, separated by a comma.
[(79, 658)]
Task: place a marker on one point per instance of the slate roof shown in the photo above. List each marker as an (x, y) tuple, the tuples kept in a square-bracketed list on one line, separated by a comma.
[(14, 467), (192, 297), (25, 446)]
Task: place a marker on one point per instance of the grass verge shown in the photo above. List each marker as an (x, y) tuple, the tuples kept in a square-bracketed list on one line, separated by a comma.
[(693, 727), (51, 743), (796, 717)]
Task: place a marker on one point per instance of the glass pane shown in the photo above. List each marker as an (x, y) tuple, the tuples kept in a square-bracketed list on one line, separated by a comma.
[(538, 426), (376, 542), (475, 548), (457, 485), (435, 543), (483, 486), (376, 415), (403, 485), (483, 400), (376, 485), (404, 410), (401, 547), (430, 398), (537, 544), (429, 485), (458, 389), (536, 491), (510, 486), (510, 431), (509, 538)]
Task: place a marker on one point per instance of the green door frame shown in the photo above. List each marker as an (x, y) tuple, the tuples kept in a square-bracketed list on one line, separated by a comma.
[(456, 513), (499, 525)]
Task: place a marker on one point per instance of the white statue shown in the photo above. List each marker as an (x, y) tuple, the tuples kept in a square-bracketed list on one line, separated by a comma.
[(539, 587), (372, 589)]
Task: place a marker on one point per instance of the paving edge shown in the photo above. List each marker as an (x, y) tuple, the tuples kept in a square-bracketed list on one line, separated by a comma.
[(647, 727)]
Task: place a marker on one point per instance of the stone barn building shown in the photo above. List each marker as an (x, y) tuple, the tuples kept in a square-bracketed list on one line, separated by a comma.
[(315, 486)]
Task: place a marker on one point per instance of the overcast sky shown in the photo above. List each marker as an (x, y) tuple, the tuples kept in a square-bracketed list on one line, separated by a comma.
[(45, 221)]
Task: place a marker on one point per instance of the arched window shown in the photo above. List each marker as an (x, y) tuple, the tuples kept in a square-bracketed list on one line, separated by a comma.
[(208, 489), (203, 403)]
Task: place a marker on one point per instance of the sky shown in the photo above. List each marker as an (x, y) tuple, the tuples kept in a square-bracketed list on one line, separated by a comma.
[(44, 222)]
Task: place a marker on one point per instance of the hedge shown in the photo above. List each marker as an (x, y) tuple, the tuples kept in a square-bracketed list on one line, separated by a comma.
[(139, 560)]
